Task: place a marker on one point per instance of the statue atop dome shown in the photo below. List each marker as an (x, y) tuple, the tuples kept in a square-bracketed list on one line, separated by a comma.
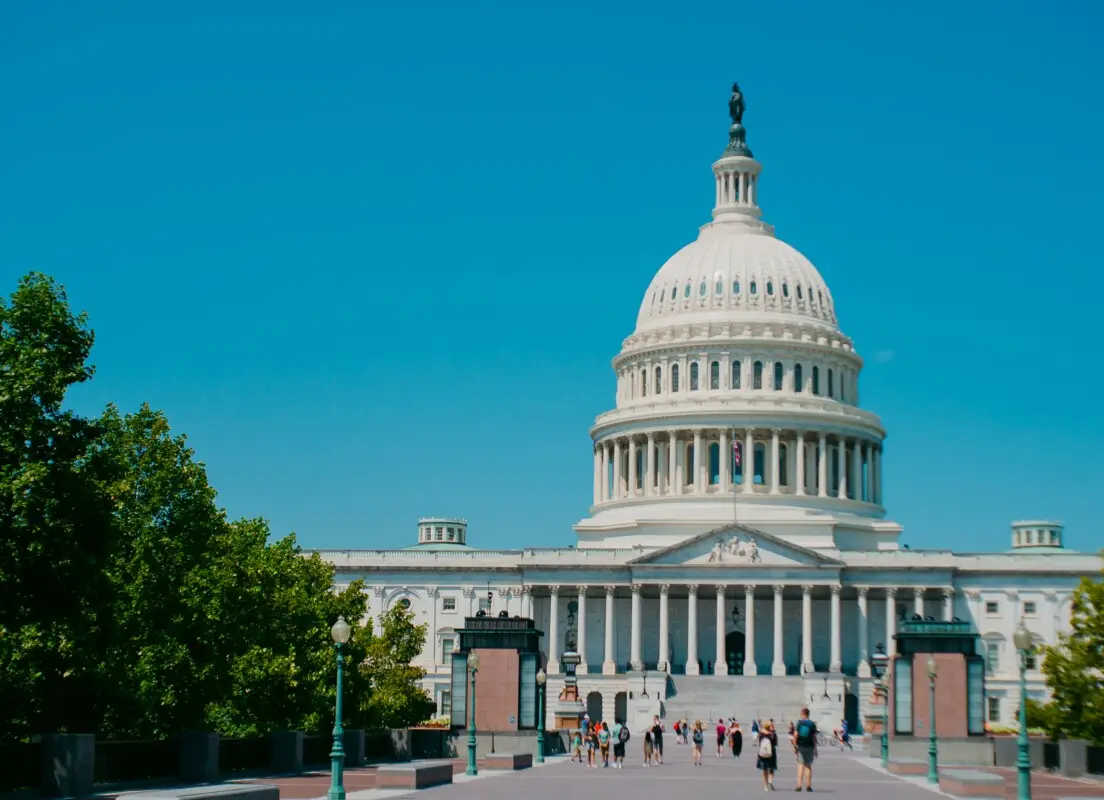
[(736, 105), (737, 135)]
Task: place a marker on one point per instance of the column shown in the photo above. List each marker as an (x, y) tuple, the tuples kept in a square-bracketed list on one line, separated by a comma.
[(748, 458), (634, 630), (775, 459), (841, 468), (807, 629), (650, 468), (597, 475), (856, 471), (864, 634), (605, 471), (725, 453), (617, 494), (609, 665), (877, 458), (749, 631), (632, 468), (672, 463), (799, 449), (692, 631), (581, 642), (948, 604), (918, 601), (779, 665), (835, 664), (891, 621), (869, 479), (720, 663), (661, 469), (822, 466), (663, 662), (553, 630), (699, 488)]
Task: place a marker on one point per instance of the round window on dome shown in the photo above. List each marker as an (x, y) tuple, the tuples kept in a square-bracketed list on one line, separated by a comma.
[(770, 287), (754, 288), (735, 287)]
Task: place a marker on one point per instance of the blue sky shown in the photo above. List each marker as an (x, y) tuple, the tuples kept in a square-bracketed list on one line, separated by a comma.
[(375, 264)]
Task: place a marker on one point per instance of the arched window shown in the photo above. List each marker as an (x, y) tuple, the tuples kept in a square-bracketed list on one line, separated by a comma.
[(785, 289), (816, 380), (643, 383), (799, 379), (770, 287), (843, 386), (659, 380), (783, 464), (714, 464), (653, 298), (688, 466), (702, 288), (693, 376), (760, 463), (718, 289), (779, 372), (674, 377), (757, 375), (754, 288), (686, 293), (831, 390), (736, 370), (736, 287), (662, 294), (715, 375)]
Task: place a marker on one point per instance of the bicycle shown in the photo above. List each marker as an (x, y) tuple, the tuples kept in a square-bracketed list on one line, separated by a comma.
[(846, 741), (821, 739)]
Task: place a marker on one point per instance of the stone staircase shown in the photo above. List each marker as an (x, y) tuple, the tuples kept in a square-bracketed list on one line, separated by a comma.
[(746, 697)]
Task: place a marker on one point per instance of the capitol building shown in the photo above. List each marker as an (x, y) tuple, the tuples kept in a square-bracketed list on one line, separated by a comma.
[(738, 559)]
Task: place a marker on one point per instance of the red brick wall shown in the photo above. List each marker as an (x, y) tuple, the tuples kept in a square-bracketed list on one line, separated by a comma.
[(950, 696), (496, 690)]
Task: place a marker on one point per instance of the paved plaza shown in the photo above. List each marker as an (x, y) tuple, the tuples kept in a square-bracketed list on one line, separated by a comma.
[(849, 774)]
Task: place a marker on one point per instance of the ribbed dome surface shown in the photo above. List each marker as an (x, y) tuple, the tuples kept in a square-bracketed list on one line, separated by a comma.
[(731, 273)]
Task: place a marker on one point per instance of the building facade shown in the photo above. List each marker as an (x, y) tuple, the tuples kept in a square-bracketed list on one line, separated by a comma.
[(737, 534)]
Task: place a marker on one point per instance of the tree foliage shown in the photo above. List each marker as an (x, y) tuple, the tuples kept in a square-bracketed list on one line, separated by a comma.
[(129, 605), (1074, 669)]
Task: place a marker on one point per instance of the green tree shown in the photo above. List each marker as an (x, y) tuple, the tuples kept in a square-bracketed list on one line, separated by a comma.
[(55, 526), (1074, 668), (395, 698)]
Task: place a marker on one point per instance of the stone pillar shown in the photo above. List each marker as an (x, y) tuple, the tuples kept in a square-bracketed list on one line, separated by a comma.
[(778, 667), (918, 601), (617, 492), (841, 468), (749, 462), (634, 630), (749, 631), (632, 468), (868, 480), (609, 664), (720, 663), (605, 471), (948, 603), (799, 451), (776, 457), (692, 667), (822, 466), (856, 471), (807, 629), (699, 487), (68, 762), (553, 630), (286, 751), (864, 635), (877, 458), (199, 757), (835, 664), (673, 486), (724, 451), (891, 621), (651, 485), (581, 642), (597, 475), (664, 629)]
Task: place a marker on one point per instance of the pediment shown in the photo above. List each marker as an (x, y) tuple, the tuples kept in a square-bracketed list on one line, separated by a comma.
[(735, 545)]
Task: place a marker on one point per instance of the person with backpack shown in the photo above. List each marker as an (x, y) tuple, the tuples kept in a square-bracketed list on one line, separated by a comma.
[(766, 745), (621, 736), (697, 739), (805, 740)]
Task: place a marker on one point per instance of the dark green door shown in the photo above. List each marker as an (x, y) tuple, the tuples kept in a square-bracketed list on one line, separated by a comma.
[(734, 653)]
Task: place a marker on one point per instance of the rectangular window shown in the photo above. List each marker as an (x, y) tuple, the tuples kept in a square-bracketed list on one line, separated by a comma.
[(992, 657), (1030, 609), (448, 604), (975, 697), (1030, 662), (446, 703), (447, 643), (459, 694), (992, 607), (902, 698), (527, 702), (485, 604), (439, 534), (994, 709)]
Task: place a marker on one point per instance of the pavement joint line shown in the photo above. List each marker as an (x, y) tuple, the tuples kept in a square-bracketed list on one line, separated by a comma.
[(876, 765), (457, 779)]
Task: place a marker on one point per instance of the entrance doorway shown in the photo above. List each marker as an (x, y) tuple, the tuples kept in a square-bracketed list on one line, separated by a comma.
[(734, 653)]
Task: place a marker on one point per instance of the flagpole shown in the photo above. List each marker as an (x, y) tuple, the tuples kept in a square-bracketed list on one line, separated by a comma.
[(735, 494)]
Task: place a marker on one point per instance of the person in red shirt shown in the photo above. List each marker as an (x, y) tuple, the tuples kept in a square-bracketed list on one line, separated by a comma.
[(722, 732)]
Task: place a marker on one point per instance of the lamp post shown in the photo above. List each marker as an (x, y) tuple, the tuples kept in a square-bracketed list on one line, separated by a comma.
[(1022, 639), (933, 750), (340, 633), (880, 667), (541, 678), (473, 668)]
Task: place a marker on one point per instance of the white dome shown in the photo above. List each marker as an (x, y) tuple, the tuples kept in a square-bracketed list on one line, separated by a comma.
[(733, 274)]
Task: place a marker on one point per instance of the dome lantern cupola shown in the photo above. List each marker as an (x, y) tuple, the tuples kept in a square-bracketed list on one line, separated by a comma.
[(736, 175), (442, 532), (1037, 535)]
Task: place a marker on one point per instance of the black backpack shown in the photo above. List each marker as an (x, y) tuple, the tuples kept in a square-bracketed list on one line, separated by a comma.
[(805, 732), (624, 735)]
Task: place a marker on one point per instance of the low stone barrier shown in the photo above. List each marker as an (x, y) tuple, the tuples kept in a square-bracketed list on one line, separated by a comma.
[(508, 761), (907, 766), (414, 775), (971, 783), (214, 791)]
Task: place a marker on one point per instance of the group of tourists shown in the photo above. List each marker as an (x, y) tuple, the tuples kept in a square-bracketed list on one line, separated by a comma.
[(598, 739)]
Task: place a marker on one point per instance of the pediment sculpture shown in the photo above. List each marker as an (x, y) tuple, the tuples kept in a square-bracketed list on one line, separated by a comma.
[(735, 550)]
